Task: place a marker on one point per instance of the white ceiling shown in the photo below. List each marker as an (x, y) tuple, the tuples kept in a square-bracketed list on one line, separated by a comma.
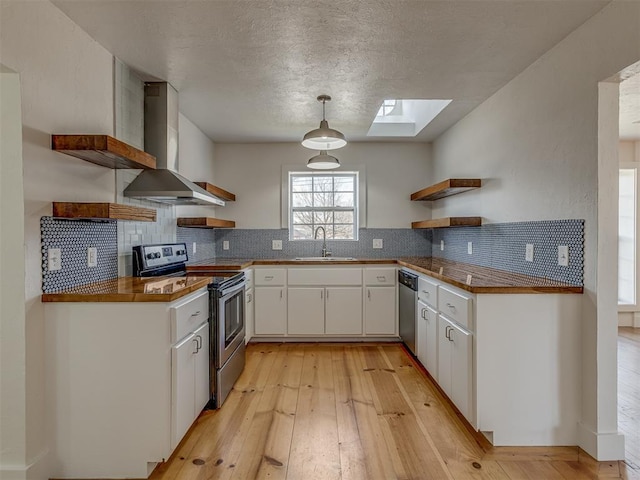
[(250, 70), (630, 108)]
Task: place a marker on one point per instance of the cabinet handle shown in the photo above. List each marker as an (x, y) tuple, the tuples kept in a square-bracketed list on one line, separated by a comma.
[(327, 294), (425, 292), (381, 278), (369, 294), (452, 307), (280, 294), (321, 295), (268, 277), (199, 341), (196, 342), (424, 311), (451, 334), (196, 314)]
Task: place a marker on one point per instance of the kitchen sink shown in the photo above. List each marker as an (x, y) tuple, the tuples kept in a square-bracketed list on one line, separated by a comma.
[(324, 259)]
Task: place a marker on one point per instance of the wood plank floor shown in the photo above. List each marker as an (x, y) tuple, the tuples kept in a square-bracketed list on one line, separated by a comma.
[(354, 412), (629, 393)]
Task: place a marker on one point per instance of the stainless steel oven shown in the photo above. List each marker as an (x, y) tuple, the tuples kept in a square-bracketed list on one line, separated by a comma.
[(228, 335)]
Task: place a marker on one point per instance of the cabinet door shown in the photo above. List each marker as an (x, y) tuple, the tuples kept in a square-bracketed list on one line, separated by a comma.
[(421, 332), (431, 356), (343, 311), (270, 311), (182, 387), (461, 350), (202, 385), (248, 312), (380, 311), (305, 311), (444, 355)]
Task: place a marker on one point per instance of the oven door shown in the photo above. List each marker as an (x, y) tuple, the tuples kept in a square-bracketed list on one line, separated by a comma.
[(230, 322)]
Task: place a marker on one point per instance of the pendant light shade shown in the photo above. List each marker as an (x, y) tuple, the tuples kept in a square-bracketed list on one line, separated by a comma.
[(324, 138), (323, 161)]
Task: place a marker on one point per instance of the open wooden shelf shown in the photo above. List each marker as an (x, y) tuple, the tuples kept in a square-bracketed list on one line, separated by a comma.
[(217, 191), (205, 222), (446, 188), (103, 150), (103, 211), (448, 222)]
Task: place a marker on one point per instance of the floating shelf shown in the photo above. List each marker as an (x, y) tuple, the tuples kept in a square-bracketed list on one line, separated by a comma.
[(446, 188), (103, 150), (449, 222), (103, 211), (205, 222), (217, 191)]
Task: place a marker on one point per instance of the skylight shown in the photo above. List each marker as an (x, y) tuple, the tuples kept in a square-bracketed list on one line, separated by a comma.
[(405, 118)]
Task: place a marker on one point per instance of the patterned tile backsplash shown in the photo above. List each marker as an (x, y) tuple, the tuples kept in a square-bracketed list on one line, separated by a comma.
[(73, 237), (204, 238), (397, 242), (503, 245)]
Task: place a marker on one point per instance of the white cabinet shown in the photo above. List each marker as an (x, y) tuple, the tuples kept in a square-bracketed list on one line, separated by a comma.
[(427, 337), (270, 314), (380, 311), (189, 381), (343, 311), (305, 311), (455, 350), (248, 312)]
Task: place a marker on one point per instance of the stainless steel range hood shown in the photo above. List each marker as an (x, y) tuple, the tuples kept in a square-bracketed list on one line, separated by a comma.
[(164, 184)]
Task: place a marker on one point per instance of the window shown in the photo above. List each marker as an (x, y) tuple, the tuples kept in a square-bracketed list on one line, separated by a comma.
[(327, 200), (627, 237)]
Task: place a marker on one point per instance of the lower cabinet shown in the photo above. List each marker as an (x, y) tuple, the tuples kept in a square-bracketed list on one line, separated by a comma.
[(189, 381), (324, 311), (343, 311), (305, 311), (427, 337), (455, 349), (380, 311), (270, 310)]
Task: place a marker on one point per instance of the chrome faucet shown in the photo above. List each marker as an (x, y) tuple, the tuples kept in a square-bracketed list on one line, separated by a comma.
[(325, 253)]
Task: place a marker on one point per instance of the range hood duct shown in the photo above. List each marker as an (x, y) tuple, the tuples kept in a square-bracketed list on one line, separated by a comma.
[(164, 184)]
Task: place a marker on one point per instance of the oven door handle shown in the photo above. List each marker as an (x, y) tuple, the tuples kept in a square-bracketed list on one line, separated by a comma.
[(233, 289)]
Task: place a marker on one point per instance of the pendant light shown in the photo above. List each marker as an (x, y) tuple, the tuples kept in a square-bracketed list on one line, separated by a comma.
[(324, 138), (323, 161)]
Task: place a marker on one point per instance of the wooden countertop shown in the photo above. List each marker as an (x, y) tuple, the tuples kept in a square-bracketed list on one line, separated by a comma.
[(132, 289), (165, 289)]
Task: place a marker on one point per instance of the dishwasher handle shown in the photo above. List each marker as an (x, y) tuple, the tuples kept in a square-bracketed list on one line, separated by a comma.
[(408, 280)]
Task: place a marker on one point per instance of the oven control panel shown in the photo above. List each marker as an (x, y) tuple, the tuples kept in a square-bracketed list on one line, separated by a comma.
[(154, 256)]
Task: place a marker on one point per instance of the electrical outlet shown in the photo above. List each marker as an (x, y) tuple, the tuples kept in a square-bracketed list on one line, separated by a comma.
[(377, 243), (563, 255), (441, 244), (225, 244), (528, 253), (470, 248), (276, 244), (92, 257), (195, 248), (55, 259)]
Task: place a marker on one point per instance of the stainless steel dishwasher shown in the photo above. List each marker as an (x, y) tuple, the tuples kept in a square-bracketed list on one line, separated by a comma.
[(407, 291)]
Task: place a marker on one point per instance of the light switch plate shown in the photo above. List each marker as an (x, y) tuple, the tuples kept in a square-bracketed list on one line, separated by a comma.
[(194, 247), (441, 244), (55, 259), (92, 257), (470, 248), (276, 244), (528, 253), (377, 243), (563, 255), (225, 244)]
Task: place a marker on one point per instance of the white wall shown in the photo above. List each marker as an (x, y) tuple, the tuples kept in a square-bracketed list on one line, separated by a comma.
[(66, 81), (536, 143), (254, 172)]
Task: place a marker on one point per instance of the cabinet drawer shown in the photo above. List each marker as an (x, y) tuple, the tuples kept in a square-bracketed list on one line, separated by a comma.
[(380, 276), (269, 276), (455, 306), (325, 276), (189, 314), (428, 291)]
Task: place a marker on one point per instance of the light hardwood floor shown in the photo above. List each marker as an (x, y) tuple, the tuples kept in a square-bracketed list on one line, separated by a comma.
[(629, 393), (353, 412)]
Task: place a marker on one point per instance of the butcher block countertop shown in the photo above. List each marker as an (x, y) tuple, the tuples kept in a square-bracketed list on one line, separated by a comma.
[(132, 289), (165, 289)]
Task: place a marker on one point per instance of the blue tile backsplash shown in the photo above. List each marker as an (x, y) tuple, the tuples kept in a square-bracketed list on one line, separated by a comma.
[(73, 237), (204, 239), (502, 246), (397, 242)]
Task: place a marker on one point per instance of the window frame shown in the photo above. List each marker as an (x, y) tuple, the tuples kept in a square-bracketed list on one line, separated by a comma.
[(355, 208), (632, 307)]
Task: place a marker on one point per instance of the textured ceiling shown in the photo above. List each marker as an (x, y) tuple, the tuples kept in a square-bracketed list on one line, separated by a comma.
[(250, 70), (630, 108)]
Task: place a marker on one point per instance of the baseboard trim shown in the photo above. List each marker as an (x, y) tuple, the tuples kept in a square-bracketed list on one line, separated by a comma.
[(603, 447)]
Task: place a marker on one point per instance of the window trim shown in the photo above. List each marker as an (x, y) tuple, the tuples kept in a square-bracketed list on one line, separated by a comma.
[(632, 307), (362, 194)]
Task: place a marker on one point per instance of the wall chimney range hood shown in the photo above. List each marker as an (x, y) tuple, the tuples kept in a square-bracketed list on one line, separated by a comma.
[(164, 184)]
